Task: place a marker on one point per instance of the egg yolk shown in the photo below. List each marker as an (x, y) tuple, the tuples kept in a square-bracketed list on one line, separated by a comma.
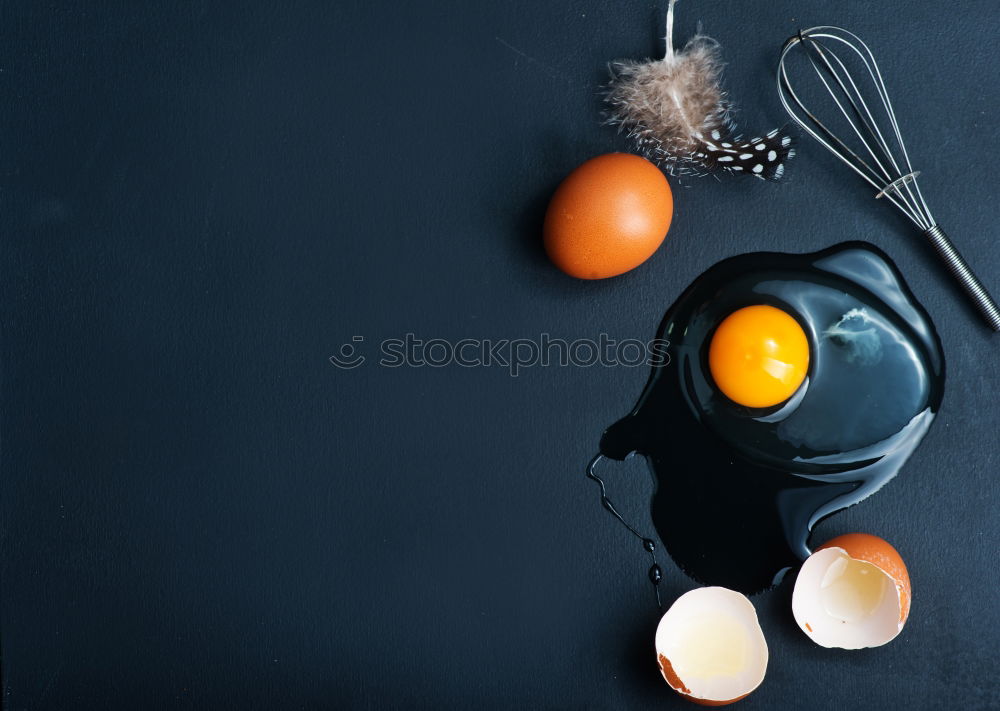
[(759, 356)]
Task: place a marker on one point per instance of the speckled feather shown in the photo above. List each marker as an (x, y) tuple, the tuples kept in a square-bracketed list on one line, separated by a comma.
[(678, 115)]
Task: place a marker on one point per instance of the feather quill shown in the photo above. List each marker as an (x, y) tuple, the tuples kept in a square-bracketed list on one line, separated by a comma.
[(678, 115)]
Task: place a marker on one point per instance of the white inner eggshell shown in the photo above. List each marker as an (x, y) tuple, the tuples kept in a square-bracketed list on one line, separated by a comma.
[(840, 601), (714, 644)]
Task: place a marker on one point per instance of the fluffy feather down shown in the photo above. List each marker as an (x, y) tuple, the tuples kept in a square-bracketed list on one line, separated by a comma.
[(666, 105)]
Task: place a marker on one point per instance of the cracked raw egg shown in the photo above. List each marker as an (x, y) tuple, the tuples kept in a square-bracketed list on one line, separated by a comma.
[(853, 592), (793, 387), (710, 647)]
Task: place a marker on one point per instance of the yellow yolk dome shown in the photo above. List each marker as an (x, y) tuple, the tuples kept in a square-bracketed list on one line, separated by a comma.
[(759, 356)]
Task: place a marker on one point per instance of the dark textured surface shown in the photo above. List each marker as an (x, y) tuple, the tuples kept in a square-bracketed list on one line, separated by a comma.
[(201, 203)]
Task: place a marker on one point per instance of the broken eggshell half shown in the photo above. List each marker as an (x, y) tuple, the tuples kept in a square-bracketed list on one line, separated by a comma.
[(710, 647), (852, 593)]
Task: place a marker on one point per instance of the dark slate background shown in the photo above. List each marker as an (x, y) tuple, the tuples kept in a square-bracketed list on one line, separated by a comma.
[(202, 201)]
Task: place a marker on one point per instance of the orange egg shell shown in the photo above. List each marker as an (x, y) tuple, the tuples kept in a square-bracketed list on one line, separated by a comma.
[(679, 640), (608, 216), (878, 552)]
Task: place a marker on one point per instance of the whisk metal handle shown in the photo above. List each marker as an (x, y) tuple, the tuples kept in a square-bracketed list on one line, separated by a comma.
[(960, 269)]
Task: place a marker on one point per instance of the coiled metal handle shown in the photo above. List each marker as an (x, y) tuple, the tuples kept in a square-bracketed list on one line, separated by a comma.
[(960, 269)]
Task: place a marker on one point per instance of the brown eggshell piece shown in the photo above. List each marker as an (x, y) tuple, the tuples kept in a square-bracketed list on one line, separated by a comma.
[(710, 648), (880, 553), (853, 592)]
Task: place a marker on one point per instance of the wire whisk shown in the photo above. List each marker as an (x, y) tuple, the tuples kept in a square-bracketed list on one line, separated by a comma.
[(874, 147)]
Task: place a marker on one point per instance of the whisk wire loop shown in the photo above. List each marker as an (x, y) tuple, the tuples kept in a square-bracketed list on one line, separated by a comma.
[(882, 159), (881, 168)]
